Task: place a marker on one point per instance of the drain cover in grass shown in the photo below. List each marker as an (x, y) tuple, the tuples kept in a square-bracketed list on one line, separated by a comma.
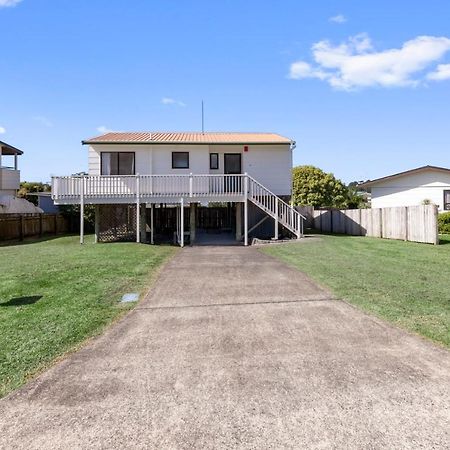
[(131, 297)]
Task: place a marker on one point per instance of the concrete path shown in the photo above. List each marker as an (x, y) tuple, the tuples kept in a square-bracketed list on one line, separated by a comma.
[(233, 349)]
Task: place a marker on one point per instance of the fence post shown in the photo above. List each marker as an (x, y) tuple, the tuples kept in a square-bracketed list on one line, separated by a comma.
[(190, 184), (406, 223), (56, 223), (22, 228), (40, 224)]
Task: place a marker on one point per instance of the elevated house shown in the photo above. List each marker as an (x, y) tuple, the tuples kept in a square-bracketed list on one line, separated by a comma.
[(426, 184), (145, 184), (10, 183), (9, 169)]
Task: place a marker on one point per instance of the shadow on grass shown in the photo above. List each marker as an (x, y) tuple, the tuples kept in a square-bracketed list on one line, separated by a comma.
[(22, 301), (35, 239)]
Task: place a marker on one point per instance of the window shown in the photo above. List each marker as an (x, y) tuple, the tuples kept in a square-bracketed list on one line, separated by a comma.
[(117, 163), (447, 200), (180, 160), (214, 161)]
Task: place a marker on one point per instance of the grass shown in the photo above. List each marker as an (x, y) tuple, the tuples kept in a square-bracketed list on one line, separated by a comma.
[(54, 294), (402, 282)]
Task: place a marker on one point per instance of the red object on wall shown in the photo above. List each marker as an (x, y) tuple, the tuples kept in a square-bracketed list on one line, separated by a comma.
[(245, 148)]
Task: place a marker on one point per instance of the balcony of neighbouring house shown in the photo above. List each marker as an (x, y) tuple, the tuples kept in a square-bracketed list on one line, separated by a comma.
[(9, 179), (9, 173)]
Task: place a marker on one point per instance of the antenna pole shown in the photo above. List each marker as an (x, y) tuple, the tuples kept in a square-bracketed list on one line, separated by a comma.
[(203, 119)]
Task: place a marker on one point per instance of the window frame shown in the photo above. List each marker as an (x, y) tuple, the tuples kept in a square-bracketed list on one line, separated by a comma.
[(118, 163), (446, 205), (210, 161), (178, 153)]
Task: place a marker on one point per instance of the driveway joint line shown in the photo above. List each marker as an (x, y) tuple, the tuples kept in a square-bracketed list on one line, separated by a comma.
[(326, 299)]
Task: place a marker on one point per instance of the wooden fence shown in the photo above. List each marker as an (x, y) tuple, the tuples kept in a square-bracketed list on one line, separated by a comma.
[(408, 223), (20, 226)]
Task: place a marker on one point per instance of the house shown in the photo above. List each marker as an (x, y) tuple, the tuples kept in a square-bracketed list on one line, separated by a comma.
[(427, 184), (10, 183), (45, 202), (9, 172), (145, 184)]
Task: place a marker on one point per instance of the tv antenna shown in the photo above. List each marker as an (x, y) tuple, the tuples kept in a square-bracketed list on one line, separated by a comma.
[(203, 118)]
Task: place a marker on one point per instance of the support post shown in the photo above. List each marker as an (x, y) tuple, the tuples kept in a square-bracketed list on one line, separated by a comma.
[(15, 161), (82, 180), (182, 223), (152, 212), (191, 181), (97, 223), (246, 209), (192, 220), (138, 212), (276, 219), (238, 221), (41, 224)]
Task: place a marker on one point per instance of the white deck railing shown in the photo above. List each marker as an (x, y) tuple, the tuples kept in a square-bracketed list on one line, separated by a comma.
[(130, 186)]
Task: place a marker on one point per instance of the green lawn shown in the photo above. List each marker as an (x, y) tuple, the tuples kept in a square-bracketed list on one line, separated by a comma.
[(405, 283), (54, 294)]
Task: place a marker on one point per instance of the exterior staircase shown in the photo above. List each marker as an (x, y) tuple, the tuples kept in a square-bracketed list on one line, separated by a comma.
[(276, 208)]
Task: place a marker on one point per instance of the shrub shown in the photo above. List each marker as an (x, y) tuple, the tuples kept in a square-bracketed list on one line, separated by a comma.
[(444, 223)]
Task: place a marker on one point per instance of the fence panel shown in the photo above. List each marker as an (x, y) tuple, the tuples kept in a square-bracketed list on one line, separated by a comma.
[(20, 226), (412, 223)]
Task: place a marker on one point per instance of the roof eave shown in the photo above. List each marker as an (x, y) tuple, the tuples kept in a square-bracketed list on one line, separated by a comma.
[(14, 150), (183, 143)]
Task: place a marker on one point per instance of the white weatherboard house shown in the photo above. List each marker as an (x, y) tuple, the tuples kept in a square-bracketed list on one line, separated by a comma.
[(9, 171), (10, 183), (146, 184), (427, 184)]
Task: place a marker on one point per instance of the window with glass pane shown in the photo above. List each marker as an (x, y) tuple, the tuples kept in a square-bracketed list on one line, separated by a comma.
[(213, 160), (180, 160), (117, 163), (447, 200)]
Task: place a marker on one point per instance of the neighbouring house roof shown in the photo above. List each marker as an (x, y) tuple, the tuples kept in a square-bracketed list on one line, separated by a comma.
[(188, 138), (9, 149), (371, 183)]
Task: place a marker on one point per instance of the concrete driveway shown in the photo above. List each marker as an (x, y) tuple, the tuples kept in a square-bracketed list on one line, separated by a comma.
[(233, 349)]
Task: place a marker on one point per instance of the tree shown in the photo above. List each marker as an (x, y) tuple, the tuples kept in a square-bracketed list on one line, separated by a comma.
[(312, 186), (28, 187)]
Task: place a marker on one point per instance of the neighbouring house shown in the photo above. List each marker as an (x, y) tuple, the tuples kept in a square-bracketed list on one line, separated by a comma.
[(10, 183), (427, 184), (186, 184), (45, 202)]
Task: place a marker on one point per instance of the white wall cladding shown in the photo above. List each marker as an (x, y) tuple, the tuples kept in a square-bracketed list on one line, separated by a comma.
[(269, 164), (411, 190)]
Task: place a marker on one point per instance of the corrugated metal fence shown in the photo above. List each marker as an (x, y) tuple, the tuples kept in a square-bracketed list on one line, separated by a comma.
[(20, 226), (408, 223)]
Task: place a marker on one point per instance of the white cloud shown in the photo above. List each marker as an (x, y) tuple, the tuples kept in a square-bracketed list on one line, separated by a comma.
[(340, 18), (102, 129), (2, 130), (43, 121), (171, 101), (441, 73), (356, 64), (5, 3)]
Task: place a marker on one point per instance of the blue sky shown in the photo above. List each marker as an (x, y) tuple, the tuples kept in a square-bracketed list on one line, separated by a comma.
[(363, 87)]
